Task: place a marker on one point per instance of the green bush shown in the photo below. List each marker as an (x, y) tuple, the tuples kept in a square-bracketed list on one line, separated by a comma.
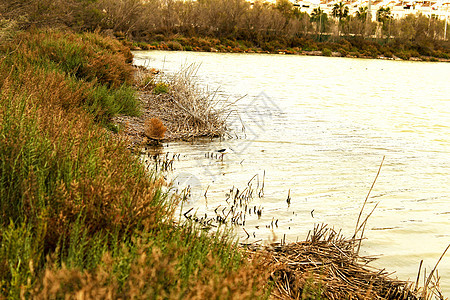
[(105, 103), (326, 52), (343, 52), (405, 55)]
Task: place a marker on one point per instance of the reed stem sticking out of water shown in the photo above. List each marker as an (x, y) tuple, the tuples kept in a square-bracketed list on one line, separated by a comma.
[(426, 290), (362, 226)]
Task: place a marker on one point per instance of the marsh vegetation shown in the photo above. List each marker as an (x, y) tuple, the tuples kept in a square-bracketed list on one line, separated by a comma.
[(241, 26), (79, 213), (80, 216)]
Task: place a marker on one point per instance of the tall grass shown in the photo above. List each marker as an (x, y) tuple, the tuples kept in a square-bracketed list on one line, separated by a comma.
[(79, 215), (85, 69)]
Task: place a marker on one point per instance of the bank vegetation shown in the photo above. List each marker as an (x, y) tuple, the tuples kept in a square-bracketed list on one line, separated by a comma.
[(238, 26), (80, 216)]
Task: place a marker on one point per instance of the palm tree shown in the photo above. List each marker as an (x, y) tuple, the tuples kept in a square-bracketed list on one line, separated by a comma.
[(361, 14), (384, 14), (340, 11), (320, 17)]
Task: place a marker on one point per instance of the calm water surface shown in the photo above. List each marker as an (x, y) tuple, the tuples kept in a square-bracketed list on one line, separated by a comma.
[(320, 127)]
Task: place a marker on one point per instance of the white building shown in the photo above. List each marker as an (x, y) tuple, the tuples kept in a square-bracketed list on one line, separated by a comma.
[(399, 8)]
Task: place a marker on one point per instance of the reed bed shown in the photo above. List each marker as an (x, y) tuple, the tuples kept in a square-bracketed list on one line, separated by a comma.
[(196, 111), (185, 109), (237, 207), (326, 266)]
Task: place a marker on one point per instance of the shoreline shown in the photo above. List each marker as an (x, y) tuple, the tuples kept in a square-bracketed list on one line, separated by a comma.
[(82, 216), (325, 262), (326, 52), (295, 265)]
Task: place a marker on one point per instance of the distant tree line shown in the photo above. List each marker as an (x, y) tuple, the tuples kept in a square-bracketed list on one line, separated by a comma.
[(259, 24)]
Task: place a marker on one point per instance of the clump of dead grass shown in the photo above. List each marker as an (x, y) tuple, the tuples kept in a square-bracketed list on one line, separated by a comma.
[(8, 28), (192, 111), (327, 266), (155, 129), (145, 77)]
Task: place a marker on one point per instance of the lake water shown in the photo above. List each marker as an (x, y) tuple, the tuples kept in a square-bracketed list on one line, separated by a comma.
[(317, 128)]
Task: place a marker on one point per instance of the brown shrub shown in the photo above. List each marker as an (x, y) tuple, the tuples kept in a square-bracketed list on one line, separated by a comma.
[(155, 129), (153, 274)]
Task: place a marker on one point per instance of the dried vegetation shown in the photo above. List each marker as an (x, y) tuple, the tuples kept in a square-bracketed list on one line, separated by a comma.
[(193, 111), (327, 266), (324, 266), (155, 129), (185, 109), (81, 218)]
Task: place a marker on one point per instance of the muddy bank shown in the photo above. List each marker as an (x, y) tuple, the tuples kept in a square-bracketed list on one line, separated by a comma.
[(152, 106)]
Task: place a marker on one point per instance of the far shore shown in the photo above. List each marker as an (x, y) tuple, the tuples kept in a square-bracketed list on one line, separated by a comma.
[(169, 46)]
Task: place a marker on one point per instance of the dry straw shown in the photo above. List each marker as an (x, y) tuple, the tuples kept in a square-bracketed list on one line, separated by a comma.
[(192, 111), (326, 266)]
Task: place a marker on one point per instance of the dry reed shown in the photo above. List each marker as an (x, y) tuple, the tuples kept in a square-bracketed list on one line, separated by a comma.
[(327, 265), (186, 110), (195, 111)]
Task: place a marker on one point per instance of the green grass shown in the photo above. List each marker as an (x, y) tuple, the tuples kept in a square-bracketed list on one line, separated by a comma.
[(78, 213)]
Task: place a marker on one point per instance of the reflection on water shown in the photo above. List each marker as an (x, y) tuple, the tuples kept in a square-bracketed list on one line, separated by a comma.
[(318, 128)]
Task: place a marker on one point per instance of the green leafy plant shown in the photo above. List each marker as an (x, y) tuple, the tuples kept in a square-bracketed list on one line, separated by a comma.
[(161, 88)]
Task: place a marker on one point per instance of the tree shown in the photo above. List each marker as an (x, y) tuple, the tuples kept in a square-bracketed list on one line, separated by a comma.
[(319, 17), (361, 24), (340, 11), (384, 14), (361, 14), (285, 7)]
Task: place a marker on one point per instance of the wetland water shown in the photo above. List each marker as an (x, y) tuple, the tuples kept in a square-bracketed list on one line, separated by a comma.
[(319, 127)]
